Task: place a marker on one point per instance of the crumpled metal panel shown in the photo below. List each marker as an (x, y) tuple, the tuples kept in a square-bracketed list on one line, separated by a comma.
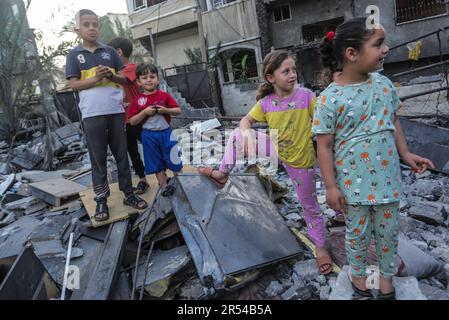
[(232, 230)]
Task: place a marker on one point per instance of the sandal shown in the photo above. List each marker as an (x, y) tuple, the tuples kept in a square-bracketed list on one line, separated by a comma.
[(207, 171), (135, 201), (102, 211), (360, 294), (325, 265), (387, 296), (168, 190), (142, 187)]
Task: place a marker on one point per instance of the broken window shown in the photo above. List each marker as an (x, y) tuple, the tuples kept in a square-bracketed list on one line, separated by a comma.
[(411, 10), (282, 13), (316, 31)]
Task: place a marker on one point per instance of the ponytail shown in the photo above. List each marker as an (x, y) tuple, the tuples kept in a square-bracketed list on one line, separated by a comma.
[(264, 90)]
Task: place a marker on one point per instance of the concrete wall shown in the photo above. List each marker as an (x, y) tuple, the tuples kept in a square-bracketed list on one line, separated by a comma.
[(237, 103), (232, 22), (162, 17), (170, 48), (397, 34), (289, 32)]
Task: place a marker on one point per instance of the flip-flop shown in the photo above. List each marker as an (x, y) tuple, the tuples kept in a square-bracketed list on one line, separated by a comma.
[(325, 261), (207, 171)]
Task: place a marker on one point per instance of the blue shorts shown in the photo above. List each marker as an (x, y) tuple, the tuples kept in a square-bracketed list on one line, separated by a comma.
[(160, 152)]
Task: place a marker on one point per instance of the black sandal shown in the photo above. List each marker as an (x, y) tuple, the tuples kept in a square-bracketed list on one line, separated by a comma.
[(102, 211), (360, 294), (134, 200), (387, 296), (169, 189), (142, 187)]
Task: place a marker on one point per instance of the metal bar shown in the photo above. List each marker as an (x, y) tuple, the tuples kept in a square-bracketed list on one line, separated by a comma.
[(67, 265), (419, 38), (430, 66), (147, 264), (423, 93)]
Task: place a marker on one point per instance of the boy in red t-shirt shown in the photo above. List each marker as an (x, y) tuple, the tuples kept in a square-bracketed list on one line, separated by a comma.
[(124, 48), (153, 109)]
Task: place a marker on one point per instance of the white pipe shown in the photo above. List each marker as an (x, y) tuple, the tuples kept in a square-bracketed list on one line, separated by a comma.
[(67, 265)]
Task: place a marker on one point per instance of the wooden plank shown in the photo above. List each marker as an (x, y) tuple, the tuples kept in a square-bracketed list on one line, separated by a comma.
[(56, 192), (117, 210)]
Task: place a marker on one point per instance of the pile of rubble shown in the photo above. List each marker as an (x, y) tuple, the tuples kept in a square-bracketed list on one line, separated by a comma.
[(247, 241)]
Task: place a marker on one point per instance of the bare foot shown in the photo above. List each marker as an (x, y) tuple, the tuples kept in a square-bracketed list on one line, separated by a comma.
[(218, 177), (324, 260)]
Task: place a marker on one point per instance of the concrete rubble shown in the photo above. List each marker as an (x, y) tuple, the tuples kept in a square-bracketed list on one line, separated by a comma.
[(169, 266)]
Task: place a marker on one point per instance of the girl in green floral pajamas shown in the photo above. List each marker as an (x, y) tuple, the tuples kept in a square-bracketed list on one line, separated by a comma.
[(359, 142)]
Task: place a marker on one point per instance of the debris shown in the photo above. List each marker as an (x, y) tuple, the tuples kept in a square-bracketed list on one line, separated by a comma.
[(107, 267), (26, 278), (202, 127), (325, 293), (39, 176), (14, 236), (163, 266), (48, 248), (224, 228), (406, 288), (306, 270), (25, 206), (56, 192), (274, 289), (27, 160), (291, 293), (433, 213), (192, 289), (6, 184)]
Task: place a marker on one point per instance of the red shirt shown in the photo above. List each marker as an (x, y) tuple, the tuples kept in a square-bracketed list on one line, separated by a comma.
[(132, 89), (159, 98)]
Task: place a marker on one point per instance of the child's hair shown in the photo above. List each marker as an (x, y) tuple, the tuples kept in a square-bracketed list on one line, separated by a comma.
[(271, 63), (146, 68), (351, 34), (80, 14), (124, 44)]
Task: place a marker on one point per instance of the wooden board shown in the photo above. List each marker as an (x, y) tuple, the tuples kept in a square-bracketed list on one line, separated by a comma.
[(117, 210), (56, 192)]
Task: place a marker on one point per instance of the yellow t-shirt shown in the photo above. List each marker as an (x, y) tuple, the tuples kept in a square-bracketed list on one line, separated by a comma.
[(292, 117)]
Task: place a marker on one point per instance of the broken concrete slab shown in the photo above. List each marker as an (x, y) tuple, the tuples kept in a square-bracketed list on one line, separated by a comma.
[(39, 176), (14, 236), (7, 183), (48, 248), (433, 213), (108, 265), (51, 229), (433, 293), (274, 289), (56, 192), (223, 228), (192, 289), (406, 288), (11, 197), (26, 206), (201, 127), (27, 160), (163, 266)]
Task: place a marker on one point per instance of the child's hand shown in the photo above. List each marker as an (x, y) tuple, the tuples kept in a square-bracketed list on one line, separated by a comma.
[(336, 200), (102, 72), (162, 110), (418, 164), (150, 111)]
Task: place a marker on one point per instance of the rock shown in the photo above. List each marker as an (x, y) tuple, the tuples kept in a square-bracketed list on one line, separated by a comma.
[(420, 244), (294, 217), (192, 289), (415, 236), (406, 225), (291, 293), (428, 212), (304, 294), (406, 288), (325, 293), (321, 280), (423, 175), (433, 293), (306, 270), (432, 243), (274, 289), (441, 253)]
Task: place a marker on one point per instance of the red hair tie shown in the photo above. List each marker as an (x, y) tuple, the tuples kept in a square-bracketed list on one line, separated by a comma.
[(330, 36)]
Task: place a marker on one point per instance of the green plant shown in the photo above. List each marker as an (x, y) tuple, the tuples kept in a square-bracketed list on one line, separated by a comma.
[(194, 55), (241, 69)]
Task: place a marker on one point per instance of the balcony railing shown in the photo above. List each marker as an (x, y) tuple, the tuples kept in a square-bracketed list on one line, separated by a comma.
[(411, 10)]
